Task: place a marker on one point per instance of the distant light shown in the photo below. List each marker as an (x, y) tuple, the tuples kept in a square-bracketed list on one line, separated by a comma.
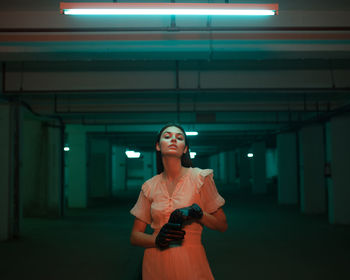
[(132, 154), (191, 133), (66, 149), (193, 154), (250, 155)]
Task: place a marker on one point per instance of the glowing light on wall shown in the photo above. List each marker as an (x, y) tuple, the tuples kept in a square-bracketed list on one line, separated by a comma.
[(214, 9), (132, 154), (193, 154), (250, 155), (191, 133), (66, 149)]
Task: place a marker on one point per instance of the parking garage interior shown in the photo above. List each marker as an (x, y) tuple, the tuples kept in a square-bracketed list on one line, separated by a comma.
[(268, 96)]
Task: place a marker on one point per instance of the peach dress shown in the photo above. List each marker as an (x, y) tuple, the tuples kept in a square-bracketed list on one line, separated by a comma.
[(187, 259)]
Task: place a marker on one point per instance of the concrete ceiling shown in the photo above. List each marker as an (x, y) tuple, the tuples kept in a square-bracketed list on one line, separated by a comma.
[(236, 80)]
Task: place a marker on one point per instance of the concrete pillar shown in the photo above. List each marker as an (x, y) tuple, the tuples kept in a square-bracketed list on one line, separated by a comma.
[(312, 187), (54, 184), (244, 169), (340, 156), (223, 167), (287, 168), (328, 177), (34, 175), (148, 167), (6, 172), (76, 163), (259, 168), (231, 168)]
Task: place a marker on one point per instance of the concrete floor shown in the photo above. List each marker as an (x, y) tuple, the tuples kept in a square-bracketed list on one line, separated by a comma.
[(264, 241)]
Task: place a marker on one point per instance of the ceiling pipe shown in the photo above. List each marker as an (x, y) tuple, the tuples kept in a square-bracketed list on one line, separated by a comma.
[(182, 90)]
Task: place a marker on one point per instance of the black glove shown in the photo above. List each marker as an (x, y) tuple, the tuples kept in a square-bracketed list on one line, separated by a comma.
[(187, 214), (169, 232)]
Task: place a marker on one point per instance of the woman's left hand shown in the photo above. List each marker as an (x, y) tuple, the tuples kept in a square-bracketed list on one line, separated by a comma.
[(186, 214)]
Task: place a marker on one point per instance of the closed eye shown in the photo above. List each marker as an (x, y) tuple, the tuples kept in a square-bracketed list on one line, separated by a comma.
[(168, 134)]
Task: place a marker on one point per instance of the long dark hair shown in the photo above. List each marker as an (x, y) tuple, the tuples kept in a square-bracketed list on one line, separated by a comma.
[(185, 159)]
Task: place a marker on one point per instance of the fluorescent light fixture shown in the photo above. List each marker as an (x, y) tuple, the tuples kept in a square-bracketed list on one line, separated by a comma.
[(193, 154), (66, 149), (250, 155), (207, 9), (132, 154), (191, 133)]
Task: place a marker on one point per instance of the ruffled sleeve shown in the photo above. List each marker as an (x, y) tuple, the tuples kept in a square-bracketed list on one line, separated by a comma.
[(142, 208), (211, 200)]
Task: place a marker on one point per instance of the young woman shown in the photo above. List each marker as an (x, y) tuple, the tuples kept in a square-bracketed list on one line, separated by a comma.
[(176, 203)]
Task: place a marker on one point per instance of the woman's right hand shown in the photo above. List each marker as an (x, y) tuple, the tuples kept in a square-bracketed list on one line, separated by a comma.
[(169, 232)]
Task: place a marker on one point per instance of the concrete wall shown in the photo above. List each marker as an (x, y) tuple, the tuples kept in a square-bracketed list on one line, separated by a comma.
[(41, 167), (118, 169), (149, 169), (214, 164), (99, 167), (76, 161)]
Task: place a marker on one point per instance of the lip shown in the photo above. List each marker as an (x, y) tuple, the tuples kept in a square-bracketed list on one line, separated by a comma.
[(172, 146)]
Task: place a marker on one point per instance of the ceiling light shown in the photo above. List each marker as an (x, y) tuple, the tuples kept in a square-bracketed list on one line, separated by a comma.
[(168, 9), (191, 133), (132, 154)]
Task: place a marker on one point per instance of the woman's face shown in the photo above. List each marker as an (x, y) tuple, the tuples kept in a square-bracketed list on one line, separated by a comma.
[(172, 142)]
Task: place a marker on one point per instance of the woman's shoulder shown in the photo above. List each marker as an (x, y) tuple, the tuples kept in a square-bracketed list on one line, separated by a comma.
[(200, 173), (153, 179), (150, 183)]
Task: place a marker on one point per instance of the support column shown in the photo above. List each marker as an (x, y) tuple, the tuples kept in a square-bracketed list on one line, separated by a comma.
[(340, 156), (54, 185), (328, 177), (231, 168), (312, 187), (271, 163), (76, 162), (244, 169), (6, 171), (259, 168), (287, 168), (223, 167)]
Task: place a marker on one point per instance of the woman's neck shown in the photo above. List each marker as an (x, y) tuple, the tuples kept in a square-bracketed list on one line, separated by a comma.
[(172, 168)]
